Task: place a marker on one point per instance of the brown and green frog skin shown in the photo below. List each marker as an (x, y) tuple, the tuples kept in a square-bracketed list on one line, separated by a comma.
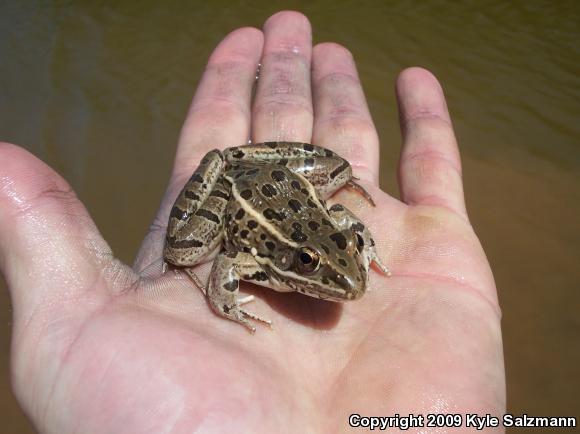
[(261, 209)]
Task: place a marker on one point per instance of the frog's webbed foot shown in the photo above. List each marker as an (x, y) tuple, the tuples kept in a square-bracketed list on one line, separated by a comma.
[(325, 170), (223, 289), (239, 315)]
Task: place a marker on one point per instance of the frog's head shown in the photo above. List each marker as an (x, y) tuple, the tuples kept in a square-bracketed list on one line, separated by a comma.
[(329, 267)]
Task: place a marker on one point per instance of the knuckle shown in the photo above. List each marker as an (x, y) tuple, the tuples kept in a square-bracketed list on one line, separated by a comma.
[(287, 107), (432, 162), (347, 121)]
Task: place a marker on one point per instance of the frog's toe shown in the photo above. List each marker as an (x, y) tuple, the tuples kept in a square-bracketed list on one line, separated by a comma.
[(381, 266), (256, 317), (246, 324), (361, 190), (247, 299)]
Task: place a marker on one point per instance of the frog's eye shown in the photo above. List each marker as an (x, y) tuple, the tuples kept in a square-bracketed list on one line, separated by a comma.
[(308, 260), (360, 243)]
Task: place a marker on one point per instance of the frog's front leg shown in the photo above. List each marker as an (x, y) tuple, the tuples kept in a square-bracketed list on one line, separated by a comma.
[(366, 245), (227, 271), (195, 227), (324, 169)]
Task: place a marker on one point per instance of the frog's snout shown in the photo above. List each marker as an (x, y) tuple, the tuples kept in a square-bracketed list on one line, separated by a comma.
[(353, 285)]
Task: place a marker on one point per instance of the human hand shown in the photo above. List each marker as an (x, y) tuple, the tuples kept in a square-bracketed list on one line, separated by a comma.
[(100, 347)]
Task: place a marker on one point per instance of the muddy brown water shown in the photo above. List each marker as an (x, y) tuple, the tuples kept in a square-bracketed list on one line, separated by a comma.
[(99, 93)]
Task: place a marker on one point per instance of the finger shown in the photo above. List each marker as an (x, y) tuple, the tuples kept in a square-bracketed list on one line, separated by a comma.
[(342, 121), (219, 117), (52, 256), (430, 166), (283, 103)]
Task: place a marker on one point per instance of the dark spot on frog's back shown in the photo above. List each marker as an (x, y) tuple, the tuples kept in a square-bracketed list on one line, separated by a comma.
[(295, 185), (283, 161), (345, 165), (238, 154), (178, 213), (244, 233), (270, 214), (246, 194), (308, 147), (240, 214), (270, 245), (184, 244), (252, 224), (207, 215), (269, 190), (342, 262), (272, 145), (299, 236), (313, 225), (232, 285), (339, 239), (196, 177), (191, 195), (278, 175), (295, 205), (337, 207), (220, 194)]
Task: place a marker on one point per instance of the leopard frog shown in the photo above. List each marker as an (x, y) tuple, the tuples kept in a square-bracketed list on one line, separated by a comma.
[(260, 208)]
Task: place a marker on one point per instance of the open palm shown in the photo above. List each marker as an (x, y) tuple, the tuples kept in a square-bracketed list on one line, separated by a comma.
[(101, 347)]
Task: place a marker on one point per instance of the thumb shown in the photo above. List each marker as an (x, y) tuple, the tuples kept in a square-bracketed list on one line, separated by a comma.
[(58, 269)]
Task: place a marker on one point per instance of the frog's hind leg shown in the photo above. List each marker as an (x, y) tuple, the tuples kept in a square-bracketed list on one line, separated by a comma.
[(324, 169), (195, 227), (224, 284)]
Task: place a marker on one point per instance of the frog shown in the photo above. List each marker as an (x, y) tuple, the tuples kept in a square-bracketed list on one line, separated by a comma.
[(259, 211)]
